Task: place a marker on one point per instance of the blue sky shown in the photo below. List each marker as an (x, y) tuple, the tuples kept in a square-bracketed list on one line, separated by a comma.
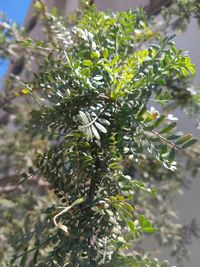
[(15, 10)]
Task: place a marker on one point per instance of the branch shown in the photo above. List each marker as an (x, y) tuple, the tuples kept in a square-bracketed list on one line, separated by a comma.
[(4, 118), (12, 179), (11, 188), (30, 25), (10, 184), (155, 6)]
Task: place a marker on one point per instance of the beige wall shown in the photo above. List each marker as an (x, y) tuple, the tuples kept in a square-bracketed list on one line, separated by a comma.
[(188, 205), (71, 5), (116, 5)]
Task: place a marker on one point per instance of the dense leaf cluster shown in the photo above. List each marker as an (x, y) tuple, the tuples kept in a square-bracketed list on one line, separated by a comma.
[(94, 106), (93, 93)]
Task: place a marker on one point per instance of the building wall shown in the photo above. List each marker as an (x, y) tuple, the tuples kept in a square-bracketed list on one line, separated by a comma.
[(188, 204), (116, 5)]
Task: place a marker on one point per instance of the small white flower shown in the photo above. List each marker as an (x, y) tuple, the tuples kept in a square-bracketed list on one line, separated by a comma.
[(171, 117), (192, 90), (153, 110)]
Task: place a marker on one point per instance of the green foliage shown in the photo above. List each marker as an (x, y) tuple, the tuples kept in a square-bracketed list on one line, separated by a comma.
[(92, 94), (136, 261)]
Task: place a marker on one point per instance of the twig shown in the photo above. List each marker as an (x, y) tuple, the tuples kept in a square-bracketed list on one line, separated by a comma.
[(165, 140), (162, 137), (65, 210)]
